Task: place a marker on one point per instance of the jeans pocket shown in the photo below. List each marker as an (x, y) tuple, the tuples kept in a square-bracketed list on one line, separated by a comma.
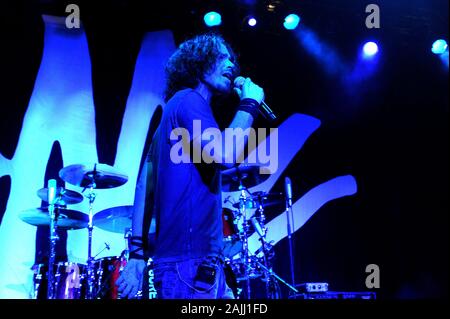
[(186, 271), (166, 281), (206, 277)]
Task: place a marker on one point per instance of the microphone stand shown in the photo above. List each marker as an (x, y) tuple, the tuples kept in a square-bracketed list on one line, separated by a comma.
[(291, 244)]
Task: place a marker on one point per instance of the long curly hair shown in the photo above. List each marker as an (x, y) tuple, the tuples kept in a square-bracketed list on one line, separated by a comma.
[(192, 60)]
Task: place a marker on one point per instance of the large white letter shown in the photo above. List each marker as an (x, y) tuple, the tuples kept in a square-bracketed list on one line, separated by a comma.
[(373, 280), (214, 147), (197, 138), (232, 136), (180, 151), (373, 19), (73, 19), (272, 158)]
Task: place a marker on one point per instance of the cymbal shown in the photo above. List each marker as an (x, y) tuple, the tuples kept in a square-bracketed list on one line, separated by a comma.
[(114, 219), (63, 196), (98, 176), (264, 199), (245, 175), (65, 218)]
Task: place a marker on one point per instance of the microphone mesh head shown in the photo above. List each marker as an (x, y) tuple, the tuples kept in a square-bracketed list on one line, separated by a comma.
[(288, 188), (239, 81)]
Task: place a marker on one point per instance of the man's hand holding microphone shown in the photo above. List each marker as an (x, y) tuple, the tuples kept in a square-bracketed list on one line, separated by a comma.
[(245, 88)]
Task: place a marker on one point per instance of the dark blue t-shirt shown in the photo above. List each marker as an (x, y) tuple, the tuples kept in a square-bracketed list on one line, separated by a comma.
[(187, 197)]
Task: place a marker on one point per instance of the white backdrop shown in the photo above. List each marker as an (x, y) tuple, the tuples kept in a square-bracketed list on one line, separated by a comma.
[(61, 109)]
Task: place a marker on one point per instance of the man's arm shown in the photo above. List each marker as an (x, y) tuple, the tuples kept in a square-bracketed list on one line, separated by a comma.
[(143, 206), (131, 279), (244, 121), (196, 108)]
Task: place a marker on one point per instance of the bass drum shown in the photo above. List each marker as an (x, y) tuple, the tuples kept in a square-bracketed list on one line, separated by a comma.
[(69, 281), (107, 270)]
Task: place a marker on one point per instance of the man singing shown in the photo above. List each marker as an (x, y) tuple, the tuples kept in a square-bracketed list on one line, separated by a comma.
[(185, 197)]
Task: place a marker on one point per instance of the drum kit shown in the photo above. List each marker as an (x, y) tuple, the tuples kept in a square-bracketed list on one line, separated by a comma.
[(69, 280), (245, 219), (96, 278)]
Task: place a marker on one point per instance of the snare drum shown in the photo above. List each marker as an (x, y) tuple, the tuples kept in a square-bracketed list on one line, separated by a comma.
[(107, 270), (232, 244), (69, 281)]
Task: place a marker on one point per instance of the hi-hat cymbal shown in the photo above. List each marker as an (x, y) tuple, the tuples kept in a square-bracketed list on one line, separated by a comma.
[(98, 176), (63, 196), (65, 218), (263, 199), (245, 175), (114, 219)]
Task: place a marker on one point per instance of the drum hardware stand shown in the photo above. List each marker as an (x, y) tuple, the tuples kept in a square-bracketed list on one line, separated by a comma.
[(262, 231), (90, 269), (99, 273), (244, 255), (53, 237), (127, 236), (270, 273), (37, 281)]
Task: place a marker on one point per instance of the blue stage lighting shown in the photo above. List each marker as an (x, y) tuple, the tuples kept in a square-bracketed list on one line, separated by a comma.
[(439, 46), (291, 21), (212, 19), (252, 22), (370, 49)]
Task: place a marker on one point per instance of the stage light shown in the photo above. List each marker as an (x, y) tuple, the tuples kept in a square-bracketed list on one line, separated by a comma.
[(439, 46), (370, 49), (252, 21), (291, 21), (212, 19), (273, 5)]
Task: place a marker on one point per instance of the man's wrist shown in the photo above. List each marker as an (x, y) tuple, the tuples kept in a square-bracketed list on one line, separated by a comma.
[(137, 242), (134, 255), (250, 106), (137, 248)]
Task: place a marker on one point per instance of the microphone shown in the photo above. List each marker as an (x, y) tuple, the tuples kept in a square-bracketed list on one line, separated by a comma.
[(288, 190), (51, 191), (265, 110), (107, 246)]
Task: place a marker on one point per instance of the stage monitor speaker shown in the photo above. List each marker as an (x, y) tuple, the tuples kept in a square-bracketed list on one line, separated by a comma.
[(335, 295)]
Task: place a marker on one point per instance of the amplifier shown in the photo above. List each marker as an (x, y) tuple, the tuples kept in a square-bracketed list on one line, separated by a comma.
[(312, 287), (335, 295)]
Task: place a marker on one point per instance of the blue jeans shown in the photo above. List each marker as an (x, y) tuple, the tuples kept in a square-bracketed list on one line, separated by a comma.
[(175, 280)]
